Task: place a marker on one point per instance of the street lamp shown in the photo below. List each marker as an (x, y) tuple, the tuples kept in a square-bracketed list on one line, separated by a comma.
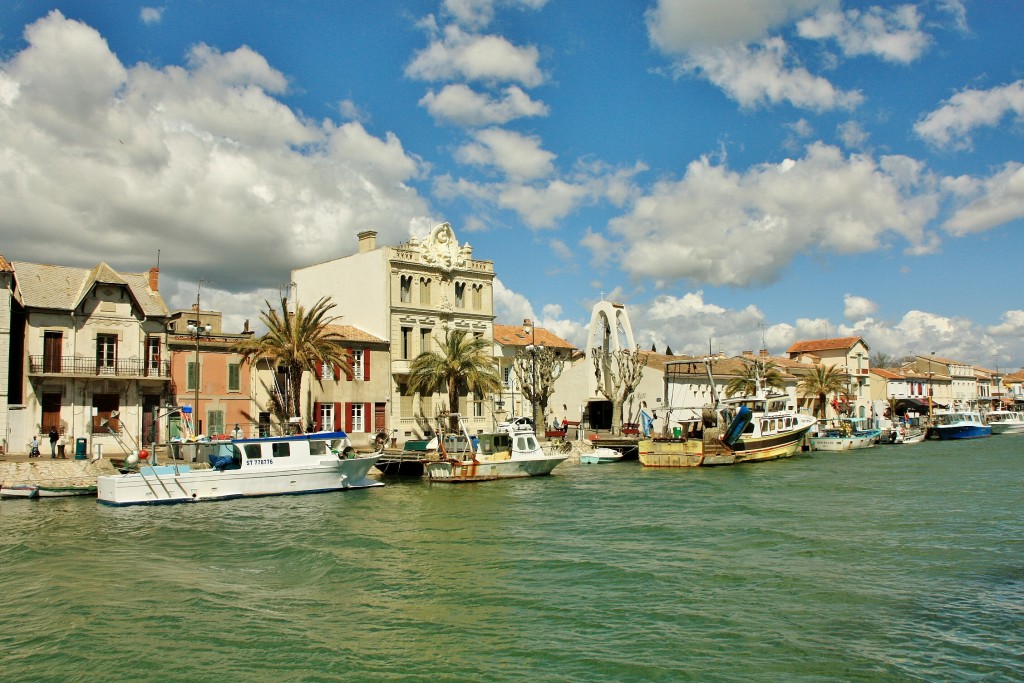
[(198, 331)]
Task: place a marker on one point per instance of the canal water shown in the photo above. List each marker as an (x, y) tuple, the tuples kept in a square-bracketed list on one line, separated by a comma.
[(901, 563)]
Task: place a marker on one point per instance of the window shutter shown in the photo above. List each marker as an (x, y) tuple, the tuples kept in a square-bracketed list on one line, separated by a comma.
[(366, 365), (319, 369), (337, 372), (350, 355), (367, 419), (337, 417), (348, 417), (316, 416)]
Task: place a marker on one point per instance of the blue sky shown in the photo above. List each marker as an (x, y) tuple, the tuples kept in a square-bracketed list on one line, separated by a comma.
[(736, 173)]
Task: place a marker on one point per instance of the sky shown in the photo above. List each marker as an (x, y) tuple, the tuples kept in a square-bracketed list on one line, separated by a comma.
[(739, 174)]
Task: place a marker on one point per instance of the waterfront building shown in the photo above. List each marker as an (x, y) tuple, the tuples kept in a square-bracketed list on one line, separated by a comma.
[(87, 355), (512, 340), (6, 367), (208, 376), (951, 383), (850, 355), (409, 296)]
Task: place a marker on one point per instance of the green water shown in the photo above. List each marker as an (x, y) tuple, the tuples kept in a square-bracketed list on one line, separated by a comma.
[(902, 563)]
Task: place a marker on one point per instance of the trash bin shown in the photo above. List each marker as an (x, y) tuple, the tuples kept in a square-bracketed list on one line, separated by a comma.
[(80, 448), (60, 450)]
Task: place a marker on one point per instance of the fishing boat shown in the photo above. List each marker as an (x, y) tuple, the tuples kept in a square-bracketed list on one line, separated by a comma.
[(1005, 422), (847, 435), (600, 455), (511, 451), (770, 429), (19, 491), (961, 425), (238, 468)]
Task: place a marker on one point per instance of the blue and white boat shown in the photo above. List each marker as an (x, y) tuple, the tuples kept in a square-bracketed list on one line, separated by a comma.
[(849, 434), (961, 425), (239, 468)]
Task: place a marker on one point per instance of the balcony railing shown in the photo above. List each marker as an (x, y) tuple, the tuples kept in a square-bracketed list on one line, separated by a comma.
[(83, 367)]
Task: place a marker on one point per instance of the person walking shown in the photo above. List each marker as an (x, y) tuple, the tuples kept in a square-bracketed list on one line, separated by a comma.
[(54, 436), (34, 447)]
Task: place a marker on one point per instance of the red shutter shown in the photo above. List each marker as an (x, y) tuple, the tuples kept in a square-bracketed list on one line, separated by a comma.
[(337, 417), (349, 351), (319, 369), (366, 365), (337, 372), (367, 419), (348, 417), (316, 416)]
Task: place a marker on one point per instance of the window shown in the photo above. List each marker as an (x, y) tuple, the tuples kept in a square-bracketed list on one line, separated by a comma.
[(405, 398), (357, 418), (406, 289), (53, 347), (326, 415), (215, 422), (460, 295), (478, 297), (193, 375), (357, 364), (280, 449), (424, 291), (506, 377), (406, 339), (106, 353), (424, 339), (234, 377), (478, 405), (252, 451), (152, 355), (326, 371), (105, 405)]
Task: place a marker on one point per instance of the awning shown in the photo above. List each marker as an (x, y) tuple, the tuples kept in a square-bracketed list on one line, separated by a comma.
[(916, 404)]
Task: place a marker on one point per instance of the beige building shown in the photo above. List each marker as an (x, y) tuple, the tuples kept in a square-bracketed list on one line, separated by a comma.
[(409, 296), (88, 356), (850, 355), (512, 340)]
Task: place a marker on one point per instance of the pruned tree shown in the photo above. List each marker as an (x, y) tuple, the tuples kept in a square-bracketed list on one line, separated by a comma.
[(536, 371), (618, 375)]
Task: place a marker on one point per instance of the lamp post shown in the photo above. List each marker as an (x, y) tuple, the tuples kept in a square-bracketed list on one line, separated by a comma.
[(198, 331)]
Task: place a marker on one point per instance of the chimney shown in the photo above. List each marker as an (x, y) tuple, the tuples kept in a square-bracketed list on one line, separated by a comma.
[(367, 241), (154, 279), (764, 353), (748, 354)]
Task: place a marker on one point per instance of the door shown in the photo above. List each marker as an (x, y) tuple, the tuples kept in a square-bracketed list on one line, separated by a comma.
[(51, 412), (53, 345)]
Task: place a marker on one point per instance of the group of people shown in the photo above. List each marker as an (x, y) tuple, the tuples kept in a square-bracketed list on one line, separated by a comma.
[(54, 438)]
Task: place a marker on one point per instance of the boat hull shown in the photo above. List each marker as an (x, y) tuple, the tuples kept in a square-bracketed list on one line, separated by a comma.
[(972, 431), (770, 447), (841, 443), (457, 471), (600, 455), (681, 453), (66, 491), (1007, 427), (19, 491), (180, 484)]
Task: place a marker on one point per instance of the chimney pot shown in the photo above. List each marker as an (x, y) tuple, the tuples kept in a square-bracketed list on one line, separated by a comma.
[(154, 279)]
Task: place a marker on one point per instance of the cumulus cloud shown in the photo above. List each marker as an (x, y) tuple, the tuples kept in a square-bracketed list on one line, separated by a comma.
[(721, 227), (761, 74), (480, 13), (151, 15), (103, 162), (857, 307), (461, 55), (893, 35), (682, 26), (514, 154), (951, 124), (987, 203), (459, 104)]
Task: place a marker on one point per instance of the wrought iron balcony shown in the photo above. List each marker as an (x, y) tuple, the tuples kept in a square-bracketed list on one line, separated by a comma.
[(80, 366)]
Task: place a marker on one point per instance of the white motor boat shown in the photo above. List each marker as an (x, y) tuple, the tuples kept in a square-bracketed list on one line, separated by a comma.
[(847, 435), (600, 455), (266, 466), (511, 451), (1005, 422)]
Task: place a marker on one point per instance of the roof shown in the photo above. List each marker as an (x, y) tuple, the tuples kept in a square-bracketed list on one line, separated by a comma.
[(350, 333), (516, 335), (836, 343), (5, 265), (64, 287), (886, 374)]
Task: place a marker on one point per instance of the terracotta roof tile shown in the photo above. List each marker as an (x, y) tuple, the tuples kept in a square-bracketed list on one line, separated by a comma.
[(840, 343), (350, 333), (515, 335)]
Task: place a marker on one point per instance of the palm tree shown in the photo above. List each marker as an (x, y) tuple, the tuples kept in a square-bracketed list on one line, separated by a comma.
[(299, 341), (746, 383), (463, 364), (821, 381)]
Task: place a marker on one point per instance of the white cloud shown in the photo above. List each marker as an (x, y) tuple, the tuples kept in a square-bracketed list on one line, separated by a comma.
[(101, 162), (514, 154), (852, 135), (857, 307), (151, 15), (894, 35), (760, 74), (480, 13), (1012, 326), (681, 26), (951, 124), (461, 105), (990, 202), (725, 228), (488, 58)]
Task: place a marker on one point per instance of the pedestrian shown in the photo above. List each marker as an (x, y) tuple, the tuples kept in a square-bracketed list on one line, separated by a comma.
[(34, 447), (236, 433), (53, 442)]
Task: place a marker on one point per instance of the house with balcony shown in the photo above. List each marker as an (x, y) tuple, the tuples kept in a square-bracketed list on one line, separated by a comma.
[(410, 296), (851, 356), (513, 340), (953, 383), (87, 355)]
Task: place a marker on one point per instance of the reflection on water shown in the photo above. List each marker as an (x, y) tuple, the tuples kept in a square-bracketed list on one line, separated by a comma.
[(898, 563)]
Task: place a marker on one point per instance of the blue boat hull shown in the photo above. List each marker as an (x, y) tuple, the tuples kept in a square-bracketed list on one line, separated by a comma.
[(963, 432)]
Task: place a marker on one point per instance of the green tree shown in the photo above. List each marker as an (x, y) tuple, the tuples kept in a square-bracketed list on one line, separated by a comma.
[(463, 364), (746, 383), (820, 382), (298, 341), (536, 372)]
